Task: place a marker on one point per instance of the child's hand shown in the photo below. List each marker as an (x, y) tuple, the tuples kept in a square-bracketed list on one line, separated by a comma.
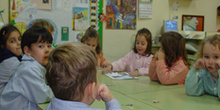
[(156, 56), (160, 54), (107, 69), (134, 74), (104, 93), (200, 64), (104, 64), (217, 64)]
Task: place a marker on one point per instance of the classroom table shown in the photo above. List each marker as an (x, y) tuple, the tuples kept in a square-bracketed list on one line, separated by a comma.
[(143, 94)]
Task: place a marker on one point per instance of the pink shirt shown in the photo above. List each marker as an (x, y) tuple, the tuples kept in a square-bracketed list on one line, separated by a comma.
[(133, 61), (176, 74)]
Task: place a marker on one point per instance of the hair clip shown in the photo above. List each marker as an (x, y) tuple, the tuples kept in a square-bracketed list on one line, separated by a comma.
[(3, 33)]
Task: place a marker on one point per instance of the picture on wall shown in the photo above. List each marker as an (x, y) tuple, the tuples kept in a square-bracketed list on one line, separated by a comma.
[(121, 14), (80, 18)]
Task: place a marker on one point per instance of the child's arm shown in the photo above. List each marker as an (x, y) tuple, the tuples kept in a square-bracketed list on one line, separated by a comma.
[(145, 65), (123, 62), (105, 94), (171, 75), (152, 70), (34, 86), (193, 83), (118, 65)]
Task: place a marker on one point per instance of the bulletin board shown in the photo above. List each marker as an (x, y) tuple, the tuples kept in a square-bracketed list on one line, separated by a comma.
[(70, 18)]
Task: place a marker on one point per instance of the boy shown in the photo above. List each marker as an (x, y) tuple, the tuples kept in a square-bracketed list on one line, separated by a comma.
[(46, 24), (27, 87), (72, 75)]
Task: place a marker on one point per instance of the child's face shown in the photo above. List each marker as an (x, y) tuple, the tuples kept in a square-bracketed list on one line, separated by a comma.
[(141, 44), (211, 54), (13, 43), (40, 52), (92, 42)]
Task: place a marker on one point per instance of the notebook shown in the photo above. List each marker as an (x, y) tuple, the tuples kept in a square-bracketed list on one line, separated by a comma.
[(121, 75)]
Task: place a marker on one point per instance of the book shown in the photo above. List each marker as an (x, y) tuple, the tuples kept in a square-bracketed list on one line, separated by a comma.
[(121, 75)]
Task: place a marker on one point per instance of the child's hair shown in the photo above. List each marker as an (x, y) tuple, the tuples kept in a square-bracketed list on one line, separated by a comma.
[(213, 39), (147, 34), (173, 45), (92, 33), (44, 23), (5, 32), (71, 67), (35, 34)]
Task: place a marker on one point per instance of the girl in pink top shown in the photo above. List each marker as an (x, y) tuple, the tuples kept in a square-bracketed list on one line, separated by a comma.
[(91, 38), (170, 64), (138, 60)]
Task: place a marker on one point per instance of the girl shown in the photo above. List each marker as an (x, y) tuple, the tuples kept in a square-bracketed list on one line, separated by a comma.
[(170, 64), (91, 38), (203, 77), (137, 61), (10, 53)]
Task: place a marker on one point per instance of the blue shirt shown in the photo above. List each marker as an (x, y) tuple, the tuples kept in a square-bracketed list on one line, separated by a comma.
[(7, 69), (26, 88), (58, 104), (201, 81)]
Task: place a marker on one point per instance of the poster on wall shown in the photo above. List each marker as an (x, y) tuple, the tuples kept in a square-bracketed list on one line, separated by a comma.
[(42, 4), (145, 9), (121, 14), (62, 14), (80, 18)]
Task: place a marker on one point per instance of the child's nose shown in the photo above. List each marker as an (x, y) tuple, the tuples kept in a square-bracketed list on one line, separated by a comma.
[(46, 49), (18, 42), (211, 61)]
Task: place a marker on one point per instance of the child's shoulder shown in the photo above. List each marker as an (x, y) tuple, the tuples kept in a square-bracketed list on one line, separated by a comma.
[(30, 64)]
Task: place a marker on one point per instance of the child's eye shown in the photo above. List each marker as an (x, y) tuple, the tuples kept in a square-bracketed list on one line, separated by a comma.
[(49, 46), (206, 57), (19, 39), (215, 57), (12, 41), (40, 46)]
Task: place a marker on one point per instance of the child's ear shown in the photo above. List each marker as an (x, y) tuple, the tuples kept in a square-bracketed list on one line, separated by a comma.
[(27, 51), (91, 90)]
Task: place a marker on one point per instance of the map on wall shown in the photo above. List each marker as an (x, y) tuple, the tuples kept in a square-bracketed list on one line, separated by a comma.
[(121, 14)]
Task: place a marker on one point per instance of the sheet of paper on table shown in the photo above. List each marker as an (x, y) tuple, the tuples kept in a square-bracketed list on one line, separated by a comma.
[(123, 75)]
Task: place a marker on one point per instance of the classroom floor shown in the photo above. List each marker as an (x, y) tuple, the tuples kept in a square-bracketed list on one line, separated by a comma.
[(143, 94)]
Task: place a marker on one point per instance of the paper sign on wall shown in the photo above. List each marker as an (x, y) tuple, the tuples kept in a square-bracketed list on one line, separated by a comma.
[(65, 33)]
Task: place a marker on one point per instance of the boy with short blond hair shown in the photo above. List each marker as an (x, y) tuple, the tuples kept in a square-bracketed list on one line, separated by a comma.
[(72, 75)]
